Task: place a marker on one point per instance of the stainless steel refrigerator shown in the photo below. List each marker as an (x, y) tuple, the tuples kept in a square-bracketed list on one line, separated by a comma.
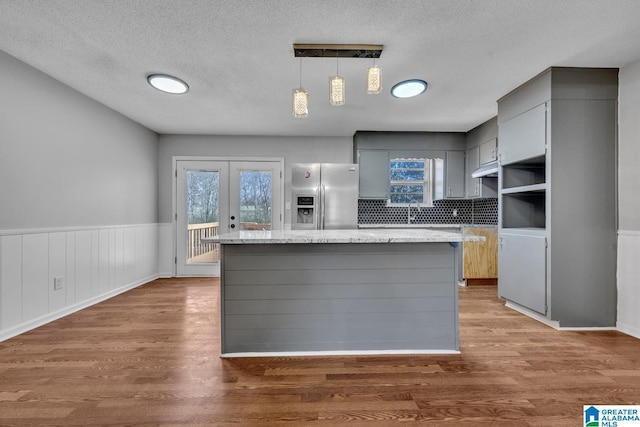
[(324, 196)]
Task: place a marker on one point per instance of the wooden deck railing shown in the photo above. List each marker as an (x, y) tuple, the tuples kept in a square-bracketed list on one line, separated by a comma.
[(199, 251), (196, 233)]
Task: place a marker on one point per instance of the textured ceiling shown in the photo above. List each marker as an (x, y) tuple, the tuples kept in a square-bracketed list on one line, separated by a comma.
[(237, 56)]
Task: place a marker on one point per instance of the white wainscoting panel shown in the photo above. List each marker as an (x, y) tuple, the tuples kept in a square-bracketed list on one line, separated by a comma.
[(70, 271), (103, 261), (57, 268), (94, 264), (11, 281), (129, 255), (112, 259), (628, 285), (119, 248), (83, 265), (165, 247), (35, 275)]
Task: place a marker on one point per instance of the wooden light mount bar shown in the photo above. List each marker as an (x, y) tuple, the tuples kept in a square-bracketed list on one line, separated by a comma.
[(337, 50)]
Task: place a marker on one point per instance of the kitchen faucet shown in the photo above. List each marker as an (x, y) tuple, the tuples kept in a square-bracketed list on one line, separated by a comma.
[(409, 217)]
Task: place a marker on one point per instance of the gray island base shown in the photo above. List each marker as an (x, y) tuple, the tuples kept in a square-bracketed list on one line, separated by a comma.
[(339, 292)]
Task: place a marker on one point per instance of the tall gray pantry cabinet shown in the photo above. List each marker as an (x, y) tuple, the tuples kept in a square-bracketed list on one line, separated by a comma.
[(557, 196)]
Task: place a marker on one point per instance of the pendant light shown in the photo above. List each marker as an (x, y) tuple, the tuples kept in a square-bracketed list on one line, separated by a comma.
[(300, 100), (374, 79), (337, 92), (336, 88)]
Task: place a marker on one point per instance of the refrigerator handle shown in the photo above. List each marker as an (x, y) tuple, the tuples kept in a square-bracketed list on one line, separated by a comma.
[(317, 210), (322, 200)]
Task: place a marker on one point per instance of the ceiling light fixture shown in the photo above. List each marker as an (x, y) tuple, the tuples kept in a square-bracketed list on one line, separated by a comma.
[(374, 79), (300, 100), (337, 82), (336, 88), (409, 88), (167, 83)]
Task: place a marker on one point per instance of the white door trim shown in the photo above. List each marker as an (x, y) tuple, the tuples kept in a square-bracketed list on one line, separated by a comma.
[(174, 191)]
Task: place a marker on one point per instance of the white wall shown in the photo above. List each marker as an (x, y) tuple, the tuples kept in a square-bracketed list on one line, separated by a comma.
[(629, 200), (292, 149), (78, 200)]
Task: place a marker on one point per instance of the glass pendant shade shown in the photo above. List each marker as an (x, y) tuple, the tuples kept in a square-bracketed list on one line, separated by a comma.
[(336, 90), (300, 103), (374, 80)]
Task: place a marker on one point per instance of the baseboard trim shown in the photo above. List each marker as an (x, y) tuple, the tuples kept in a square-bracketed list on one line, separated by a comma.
[(532, 314), (50, 317), (628, 329), (335, 353), (554, 323)]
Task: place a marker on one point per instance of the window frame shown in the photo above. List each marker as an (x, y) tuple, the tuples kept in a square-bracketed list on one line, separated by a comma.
[(426, 182)]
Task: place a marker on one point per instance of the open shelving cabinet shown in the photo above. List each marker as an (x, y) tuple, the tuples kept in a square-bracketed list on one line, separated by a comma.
[(557, 186), (523, 194)]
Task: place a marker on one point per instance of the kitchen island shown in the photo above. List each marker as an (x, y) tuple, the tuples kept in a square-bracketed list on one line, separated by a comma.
[(339, 291)]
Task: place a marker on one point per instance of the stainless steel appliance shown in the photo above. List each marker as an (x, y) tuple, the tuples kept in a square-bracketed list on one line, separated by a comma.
[(324, 196)]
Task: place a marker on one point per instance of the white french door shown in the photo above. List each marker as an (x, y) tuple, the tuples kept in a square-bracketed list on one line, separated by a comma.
[(219, 196)]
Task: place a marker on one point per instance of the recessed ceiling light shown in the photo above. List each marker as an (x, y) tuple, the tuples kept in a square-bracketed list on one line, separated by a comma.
[(168, 84), (409, 88)]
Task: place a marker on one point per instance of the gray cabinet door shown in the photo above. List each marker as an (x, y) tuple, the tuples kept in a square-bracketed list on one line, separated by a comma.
[(374, 174), (473, 162), (524, 136), (488, 151), (522, 269), (454, 175)]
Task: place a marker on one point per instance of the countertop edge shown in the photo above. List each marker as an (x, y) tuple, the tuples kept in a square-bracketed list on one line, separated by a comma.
[(357, 236)]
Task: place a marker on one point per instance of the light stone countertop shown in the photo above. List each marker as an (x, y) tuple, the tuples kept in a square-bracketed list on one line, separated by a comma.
[(413, 235), (427, 225), (411, 226)]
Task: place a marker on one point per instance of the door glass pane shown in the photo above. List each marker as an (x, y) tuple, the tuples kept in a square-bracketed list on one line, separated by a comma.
[(202, 215), (255, 200)]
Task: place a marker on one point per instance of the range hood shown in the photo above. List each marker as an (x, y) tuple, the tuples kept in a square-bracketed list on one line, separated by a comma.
[(490, 170)]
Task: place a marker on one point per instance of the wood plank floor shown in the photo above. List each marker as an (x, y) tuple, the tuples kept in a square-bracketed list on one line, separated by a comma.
[(150, 357)]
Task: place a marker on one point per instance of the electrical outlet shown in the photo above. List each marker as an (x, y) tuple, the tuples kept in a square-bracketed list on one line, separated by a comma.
[(58, 283)]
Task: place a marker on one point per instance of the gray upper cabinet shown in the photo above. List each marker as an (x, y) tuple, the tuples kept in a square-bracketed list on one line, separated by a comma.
[(557, 196), (473, 162), (454, 175), (374, 174), (481, 151), (524, 136), (374, 150), (478, 187), (488, 151)]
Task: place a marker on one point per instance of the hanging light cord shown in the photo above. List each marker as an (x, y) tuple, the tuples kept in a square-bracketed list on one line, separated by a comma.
[(300, 72)]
